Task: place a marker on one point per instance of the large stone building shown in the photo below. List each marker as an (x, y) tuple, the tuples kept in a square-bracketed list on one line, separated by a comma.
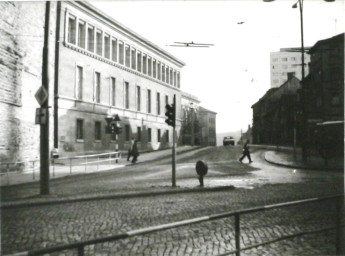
[(287, 63), (107, 69), (97, 67), (207, 124)]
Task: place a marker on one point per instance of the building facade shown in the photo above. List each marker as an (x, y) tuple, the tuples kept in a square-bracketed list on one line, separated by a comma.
[(207, 121), (323, 96), (275, 116), (97, 68), (287, 63), (107, 69), (190, 127)]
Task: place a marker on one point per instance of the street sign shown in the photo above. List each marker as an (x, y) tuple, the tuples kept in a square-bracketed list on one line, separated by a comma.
[(41, 116), (41, 95)]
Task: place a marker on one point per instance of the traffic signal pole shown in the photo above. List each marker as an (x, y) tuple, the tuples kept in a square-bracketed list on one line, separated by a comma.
[(174, 148)]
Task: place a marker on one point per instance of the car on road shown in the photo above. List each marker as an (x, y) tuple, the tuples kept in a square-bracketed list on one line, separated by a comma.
[(228, 140)]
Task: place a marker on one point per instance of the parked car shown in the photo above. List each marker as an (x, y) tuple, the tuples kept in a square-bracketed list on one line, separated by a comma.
[(228, 140)]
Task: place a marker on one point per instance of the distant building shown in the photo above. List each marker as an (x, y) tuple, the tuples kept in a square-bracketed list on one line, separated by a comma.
[(275, 114), (247, 135), (287, 63), (190, 126), (207, 120)]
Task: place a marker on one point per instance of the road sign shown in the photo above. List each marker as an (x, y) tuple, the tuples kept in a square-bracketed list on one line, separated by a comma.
[(41, 95)]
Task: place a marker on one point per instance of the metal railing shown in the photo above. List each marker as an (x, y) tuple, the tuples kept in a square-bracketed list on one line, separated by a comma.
[(338, 226), (67, 163)]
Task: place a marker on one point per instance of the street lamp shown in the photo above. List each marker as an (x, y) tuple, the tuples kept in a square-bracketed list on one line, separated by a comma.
[(304, 148)]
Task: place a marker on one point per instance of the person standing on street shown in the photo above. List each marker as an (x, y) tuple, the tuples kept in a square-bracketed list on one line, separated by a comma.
[(135, 152), (130, 149), (246, 152)]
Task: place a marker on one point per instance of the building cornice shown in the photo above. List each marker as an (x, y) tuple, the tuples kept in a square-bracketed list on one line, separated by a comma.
[(102, 17)]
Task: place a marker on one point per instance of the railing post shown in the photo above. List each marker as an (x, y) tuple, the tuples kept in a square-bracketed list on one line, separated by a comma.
[(81, 251), (53, 167), (237, 234), (339, 226), (33, 170), (70, 166)]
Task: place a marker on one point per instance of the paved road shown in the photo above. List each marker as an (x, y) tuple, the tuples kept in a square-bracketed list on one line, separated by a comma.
[(45, 226)]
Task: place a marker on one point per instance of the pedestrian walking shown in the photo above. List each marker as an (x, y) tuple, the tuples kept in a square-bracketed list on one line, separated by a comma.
[(135, 152), (246, 152), (130, 149)]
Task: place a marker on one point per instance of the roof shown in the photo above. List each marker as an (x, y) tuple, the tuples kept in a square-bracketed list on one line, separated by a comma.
[(326, 41), (128, 31), (201, 109), (266, 95)]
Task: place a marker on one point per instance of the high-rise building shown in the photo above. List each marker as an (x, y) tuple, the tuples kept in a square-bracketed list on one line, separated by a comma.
[(287, 63)]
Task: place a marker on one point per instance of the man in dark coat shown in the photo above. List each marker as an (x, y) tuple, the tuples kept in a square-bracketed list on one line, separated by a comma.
[(246, 152), (135, 152)]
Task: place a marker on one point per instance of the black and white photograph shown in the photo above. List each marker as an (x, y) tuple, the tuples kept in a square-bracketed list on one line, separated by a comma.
[(172, 128)]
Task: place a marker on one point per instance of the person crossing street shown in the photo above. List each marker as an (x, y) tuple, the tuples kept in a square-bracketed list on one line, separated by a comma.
[(246, 152)]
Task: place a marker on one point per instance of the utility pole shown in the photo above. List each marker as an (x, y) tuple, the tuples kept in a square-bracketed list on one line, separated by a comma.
[(44, 128), (174, 147)]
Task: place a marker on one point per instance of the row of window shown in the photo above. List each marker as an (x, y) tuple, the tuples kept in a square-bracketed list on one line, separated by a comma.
[(88, 37), (112, 99), (285, 59), (127, 135)]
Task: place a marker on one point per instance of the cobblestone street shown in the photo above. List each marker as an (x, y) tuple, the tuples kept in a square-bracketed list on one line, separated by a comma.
[(44, 226)]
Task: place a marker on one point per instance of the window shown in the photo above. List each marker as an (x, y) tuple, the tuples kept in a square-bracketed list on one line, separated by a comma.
[(80, 129), (107, 46), (158, 135), (163, 73), (71, 29), (149, 135), (128, 56), (275, 59), (97, 130), (167, 136), (137, 95), (139, 133), (134, 55), (90, 38), (113, 91), (154, 68), (284, 59), (178, 80), (171, 77), (158, 103), (127, 132), (144, 64), (99, 42), (148, 101), (159, 71), (98, 87), (175, 78), (139, 61), (114, 49), (166, 99), (126, 95), (121, 53), (79, 83), (81, 34), (293, 58), (167, 75), (149, 65)]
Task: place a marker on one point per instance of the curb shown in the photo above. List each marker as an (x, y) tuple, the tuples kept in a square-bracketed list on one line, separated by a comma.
[(5, 206), (302, 167)]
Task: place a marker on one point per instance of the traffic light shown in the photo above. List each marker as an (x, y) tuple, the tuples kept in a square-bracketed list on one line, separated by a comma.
[(118, 129), (170, 114)]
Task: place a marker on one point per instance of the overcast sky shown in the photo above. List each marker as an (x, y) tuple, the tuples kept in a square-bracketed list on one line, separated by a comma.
[(232, 75)]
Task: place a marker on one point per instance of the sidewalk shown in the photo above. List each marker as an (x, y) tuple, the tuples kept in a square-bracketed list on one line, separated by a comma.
[(286, 158), (62, 169)]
